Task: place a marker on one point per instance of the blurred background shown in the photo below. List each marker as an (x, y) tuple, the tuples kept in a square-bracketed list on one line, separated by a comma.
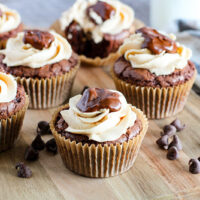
[(178, 16)]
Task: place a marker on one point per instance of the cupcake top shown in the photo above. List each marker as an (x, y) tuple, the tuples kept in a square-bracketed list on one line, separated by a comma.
[(9, 19), (12, 96), (157, 52), (100, 114), (99, 17), (35, 48)]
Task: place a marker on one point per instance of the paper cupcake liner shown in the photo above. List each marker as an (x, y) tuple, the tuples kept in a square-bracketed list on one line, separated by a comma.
[(101, 160), (10, 128), (156, 103), (48, 92)]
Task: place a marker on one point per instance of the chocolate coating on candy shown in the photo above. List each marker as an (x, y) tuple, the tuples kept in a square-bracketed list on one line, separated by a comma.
[(38, 39), (94, 99), (102, 9), (157, 42)]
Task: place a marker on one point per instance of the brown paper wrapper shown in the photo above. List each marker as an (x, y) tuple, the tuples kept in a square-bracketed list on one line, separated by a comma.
[(99, 161), (10, 128), (48, 92), (156, 103)]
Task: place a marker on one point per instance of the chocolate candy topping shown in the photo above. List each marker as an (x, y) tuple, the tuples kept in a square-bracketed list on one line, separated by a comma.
[(23, 171), (102, 9), (94, 99), (194, 166), (38, 39), (157, 42)]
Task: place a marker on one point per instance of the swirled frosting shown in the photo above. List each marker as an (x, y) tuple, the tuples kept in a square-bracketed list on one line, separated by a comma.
[(122, 18), (9, 19), (18, 53), (99, 125), (160, 63), (8, 88)]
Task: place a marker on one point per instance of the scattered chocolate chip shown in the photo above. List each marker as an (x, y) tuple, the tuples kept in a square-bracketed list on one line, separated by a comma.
[(38, 39), (194, 166), (51, 146), (85, 88), (169, 130), (31, 154), (172, 153), (38, 143), (162, 142), (176, 143), (102, 9), (43, 128), (23, 171), (178, 125)]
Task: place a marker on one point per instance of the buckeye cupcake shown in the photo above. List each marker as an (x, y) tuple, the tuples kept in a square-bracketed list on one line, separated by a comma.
[(98, 134), (44, 64), (10, 24), (154, 73), (13, 105), (96, 28)]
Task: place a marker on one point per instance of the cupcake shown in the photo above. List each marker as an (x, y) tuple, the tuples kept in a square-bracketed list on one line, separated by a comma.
[(154, 73), (13, 105), (44, 63), (10, 24), (98, 134), (96, 28)]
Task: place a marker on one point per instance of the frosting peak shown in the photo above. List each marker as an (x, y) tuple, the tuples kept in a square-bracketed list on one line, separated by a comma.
[(101, 124), (94, 99), (56, 48), (157, 42), (8, 88), (9, 19)]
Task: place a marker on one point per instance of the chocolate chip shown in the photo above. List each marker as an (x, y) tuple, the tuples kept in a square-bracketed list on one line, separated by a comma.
[(162, 142), (194, 166), (177, 123), (176, 142), (38, 39), (43, 128), (172, 153), (38, 143), (102, 9), (31, 154), (85, 88), (169, 130), (23, 171), (51, 146)]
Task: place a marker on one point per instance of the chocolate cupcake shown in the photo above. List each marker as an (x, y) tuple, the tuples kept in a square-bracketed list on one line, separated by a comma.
[(154, 73), (10, 24), (13, 105), (44, 64), (96, 28), (98, 134)]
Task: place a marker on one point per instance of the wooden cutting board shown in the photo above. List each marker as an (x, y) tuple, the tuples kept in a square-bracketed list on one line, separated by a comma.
[(152, 176)]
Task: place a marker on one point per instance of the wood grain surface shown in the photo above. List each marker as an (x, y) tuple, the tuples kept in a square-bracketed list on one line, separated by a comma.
[(152, 176)]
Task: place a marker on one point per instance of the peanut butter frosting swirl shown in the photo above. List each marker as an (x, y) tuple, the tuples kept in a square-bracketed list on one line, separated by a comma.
[(100, 124), (9, 19), (31, 53), (8, 88), (158, 53), (121, 17)]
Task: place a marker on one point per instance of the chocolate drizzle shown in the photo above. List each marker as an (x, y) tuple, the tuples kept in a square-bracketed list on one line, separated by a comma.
[(94, 99), (102, 9), (157, 42), (38, 39)]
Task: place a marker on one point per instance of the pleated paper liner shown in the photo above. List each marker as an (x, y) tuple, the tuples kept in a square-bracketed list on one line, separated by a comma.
[(48, 92), (156, 103), (10, 128), (99, 161)]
